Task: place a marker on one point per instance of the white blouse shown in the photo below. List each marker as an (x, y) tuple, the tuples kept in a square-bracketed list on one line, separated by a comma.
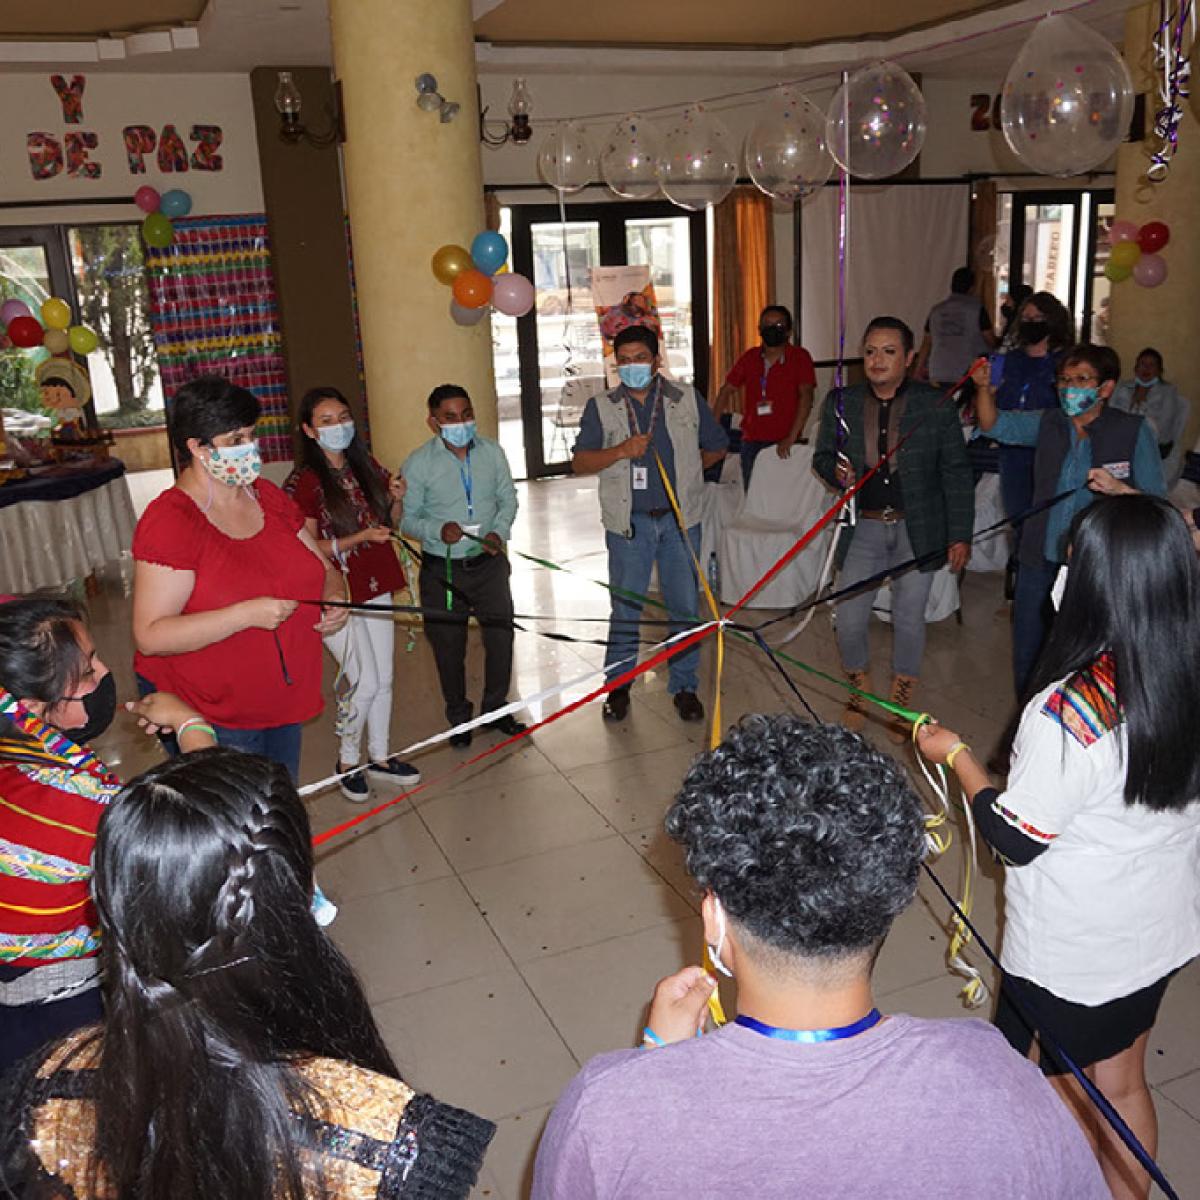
[(1113, 903)]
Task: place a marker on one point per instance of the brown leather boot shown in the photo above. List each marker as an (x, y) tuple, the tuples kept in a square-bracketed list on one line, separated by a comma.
[(903, 687), (854, 715)]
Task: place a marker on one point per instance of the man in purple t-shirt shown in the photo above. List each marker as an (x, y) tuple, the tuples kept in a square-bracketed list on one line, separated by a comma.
[(806, 843)]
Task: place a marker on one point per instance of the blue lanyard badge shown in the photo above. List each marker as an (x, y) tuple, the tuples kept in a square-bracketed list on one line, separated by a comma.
[(464, 472), (812, 1036)]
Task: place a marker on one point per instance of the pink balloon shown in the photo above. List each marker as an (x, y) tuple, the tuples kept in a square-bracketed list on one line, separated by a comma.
[(10, 310), (1150, 271), (147, 198), (1122, 231), (512, 294)]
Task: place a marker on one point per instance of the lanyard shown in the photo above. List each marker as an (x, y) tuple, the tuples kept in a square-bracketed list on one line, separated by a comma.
[(810, 1036), (655, 402), (464, 473), (766, 371)]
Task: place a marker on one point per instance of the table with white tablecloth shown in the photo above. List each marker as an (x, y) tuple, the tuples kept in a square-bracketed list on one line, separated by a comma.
[(62, 523)]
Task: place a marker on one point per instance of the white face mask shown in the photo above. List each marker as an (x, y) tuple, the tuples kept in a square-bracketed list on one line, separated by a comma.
[(714, 952)]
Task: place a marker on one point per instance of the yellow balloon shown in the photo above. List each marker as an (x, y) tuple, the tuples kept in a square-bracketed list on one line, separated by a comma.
[(56, 341), (83, 340), (451, 261), (56, 313), (1124, 255)]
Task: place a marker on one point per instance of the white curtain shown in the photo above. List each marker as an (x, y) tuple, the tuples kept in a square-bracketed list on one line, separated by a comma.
[(904, 244)]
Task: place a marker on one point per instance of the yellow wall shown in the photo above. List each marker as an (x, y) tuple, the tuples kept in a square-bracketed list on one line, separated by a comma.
[(412, 184), (1165, 317)]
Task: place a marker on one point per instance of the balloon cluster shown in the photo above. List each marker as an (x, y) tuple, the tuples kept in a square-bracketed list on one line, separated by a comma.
[(1135, 251), (478, 278), (54, 330), (161, 210)]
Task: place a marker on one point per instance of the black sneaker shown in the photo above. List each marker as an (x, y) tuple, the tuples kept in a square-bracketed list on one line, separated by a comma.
[(354, 787), (394, 773), (616, 706), (688, 706), (460, 740), (508, 725)]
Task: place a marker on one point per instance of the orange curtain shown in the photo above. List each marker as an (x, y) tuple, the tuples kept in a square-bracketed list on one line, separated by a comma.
[(743, 276)]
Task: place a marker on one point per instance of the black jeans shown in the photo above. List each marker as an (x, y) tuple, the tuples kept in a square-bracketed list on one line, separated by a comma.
[(477, 586)]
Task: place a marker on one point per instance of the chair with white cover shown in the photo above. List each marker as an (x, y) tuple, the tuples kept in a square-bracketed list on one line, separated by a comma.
[(784, 501)]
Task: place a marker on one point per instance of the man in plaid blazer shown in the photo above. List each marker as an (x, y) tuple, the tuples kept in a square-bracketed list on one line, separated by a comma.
[(920, 503)]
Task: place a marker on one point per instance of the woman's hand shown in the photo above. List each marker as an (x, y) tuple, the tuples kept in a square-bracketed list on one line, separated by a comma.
[(981, 374), (161, 712), (936, 741), (373, 536), (845, 474), (397, 487), (332, 619), (267, 612), (680, 1002), (1107, 484)]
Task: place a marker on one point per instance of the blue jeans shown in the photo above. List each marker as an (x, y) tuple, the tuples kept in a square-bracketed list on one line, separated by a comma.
[(875, 547), (280, 743), (630, 562), (749, 452), (1032, 614)]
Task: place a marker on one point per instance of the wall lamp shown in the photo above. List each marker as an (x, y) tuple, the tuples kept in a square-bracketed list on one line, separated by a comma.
[(518, 130), (429, 99), (292, 130)]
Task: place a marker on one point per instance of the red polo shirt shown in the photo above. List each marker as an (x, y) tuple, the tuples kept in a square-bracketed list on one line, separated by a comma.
[(770, 396)]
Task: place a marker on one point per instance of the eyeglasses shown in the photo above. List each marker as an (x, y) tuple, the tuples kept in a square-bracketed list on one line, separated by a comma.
[(1078, 380)]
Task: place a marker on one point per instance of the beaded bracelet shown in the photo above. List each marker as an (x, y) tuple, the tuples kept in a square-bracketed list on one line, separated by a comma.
[(955, 751)]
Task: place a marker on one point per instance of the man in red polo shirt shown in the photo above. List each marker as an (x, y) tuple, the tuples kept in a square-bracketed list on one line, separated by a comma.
[(777, 381)]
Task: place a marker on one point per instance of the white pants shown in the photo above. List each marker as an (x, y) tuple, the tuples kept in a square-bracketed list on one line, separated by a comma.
[(364, 649)]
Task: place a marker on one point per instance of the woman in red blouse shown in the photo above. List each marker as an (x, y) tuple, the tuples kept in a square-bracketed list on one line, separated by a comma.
[(224, 565), (351, 504)]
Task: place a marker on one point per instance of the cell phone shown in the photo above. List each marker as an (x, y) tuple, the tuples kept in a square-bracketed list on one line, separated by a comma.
[(996, 363)]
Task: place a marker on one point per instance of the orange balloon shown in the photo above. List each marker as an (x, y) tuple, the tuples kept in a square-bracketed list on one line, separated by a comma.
[(449, 262), (472, 288)]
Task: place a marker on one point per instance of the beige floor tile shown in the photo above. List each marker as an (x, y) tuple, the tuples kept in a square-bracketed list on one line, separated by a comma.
[(666, 857), (1174, 1048), (635, 793), (497, 823), (572, 897), (936, 998), (483, 1044), (394, 851), (584, 737), (1184, 1092), (1178, 1149), (580, 988), (415, 938), (508, 1168)]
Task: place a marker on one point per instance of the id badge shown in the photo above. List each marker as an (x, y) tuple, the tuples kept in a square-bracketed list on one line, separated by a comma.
[(1118, 470), (473, 530), (764, 409), (641, 478)]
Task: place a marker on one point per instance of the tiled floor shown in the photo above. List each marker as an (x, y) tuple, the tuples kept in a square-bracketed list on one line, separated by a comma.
[(511, 919)]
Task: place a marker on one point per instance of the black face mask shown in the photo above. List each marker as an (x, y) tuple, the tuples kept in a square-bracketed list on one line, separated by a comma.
[(773, 335), (100, 706), (1032, 332), (1006, 311)]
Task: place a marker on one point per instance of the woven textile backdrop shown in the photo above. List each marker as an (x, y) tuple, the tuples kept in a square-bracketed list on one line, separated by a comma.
[(213, 311)]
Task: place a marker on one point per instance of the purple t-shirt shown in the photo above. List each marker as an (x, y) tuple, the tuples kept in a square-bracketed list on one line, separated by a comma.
[(911, 1108)]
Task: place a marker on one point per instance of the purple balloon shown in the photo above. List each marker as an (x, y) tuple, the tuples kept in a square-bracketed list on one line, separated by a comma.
[(1150, 270), (11, 309), (512, 294), (467, 316)]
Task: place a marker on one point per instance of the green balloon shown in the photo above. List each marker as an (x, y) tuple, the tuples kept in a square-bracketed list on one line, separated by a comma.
[(158, 231)]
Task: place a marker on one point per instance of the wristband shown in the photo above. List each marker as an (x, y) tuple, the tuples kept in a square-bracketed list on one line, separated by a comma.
[(955, 751), (650, 1038), (196, 723)]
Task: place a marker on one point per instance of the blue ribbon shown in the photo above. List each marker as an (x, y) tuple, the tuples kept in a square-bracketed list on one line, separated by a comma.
[(810, 1036)]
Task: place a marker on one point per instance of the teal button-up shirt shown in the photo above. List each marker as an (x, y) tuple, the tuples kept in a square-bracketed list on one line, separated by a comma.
[(477, 490)]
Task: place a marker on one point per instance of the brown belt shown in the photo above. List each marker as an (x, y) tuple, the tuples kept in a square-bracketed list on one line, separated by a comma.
[(889, 516)]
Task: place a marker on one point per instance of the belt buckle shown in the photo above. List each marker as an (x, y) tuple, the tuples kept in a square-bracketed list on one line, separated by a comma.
[(889, 515)]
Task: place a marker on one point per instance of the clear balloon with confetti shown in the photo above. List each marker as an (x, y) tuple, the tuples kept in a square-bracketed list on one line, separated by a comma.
[(698, 165), (876, 122), (629, 160), (786, 154)]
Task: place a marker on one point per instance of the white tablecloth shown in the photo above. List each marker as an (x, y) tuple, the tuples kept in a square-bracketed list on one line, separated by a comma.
[(48, 543)]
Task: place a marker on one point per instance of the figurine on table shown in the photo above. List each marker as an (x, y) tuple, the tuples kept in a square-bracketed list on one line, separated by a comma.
[(65, 391)]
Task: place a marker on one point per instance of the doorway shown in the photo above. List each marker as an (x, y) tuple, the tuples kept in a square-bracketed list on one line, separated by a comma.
[(550, 362)]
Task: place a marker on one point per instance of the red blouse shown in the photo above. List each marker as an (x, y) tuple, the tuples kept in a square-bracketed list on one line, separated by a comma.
[(373, 567), (243, 681)]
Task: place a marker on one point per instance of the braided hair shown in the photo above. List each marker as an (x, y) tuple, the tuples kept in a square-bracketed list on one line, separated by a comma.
[(216, 980)]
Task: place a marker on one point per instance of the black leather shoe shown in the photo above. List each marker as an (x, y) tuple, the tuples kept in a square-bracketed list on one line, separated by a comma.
[(460, 740), (509, 725), (616, 706), (688, 706)]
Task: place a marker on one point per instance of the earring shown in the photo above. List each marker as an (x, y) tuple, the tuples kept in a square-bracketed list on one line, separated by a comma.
[(714, 952)]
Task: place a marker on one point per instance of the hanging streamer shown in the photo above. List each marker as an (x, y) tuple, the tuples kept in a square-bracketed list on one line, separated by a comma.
[(1173, 41)]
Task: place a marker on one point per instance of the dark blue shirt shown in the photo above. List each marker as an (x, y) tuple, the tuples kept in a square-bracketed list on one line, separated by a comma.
[(1028, 383)]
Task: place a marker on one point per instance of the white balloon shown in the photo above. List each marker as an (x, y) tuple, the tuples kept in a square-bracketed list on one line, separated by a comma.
[(698, 164), (1068, 99), (876, 123), (566, 160), (629, 161), (786, 155)]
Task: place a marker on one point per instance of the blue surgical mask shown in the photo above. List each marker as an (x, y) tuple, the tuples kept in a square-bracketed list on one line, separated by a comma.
[(336, 437), (1147, 383), (636, 376), (1076, 401), (459, 435)]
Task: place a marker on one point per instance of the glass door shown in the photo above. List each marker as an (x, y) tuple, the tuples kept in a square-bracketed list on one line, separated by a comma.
[(557, 348)]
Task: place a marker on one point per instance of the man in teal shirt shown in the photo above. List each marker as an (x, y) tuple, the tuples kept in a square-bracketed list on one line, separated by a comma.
[(1083, 447), (461, 503)]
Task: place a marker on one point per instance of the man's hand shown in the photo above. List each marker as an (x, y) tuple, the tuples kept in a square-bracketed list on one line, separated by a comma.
[(845, 474), (1107, 484), (679, 1004), (493, 543), (635, 446), (958, 555), (784, 449), (451, 533)]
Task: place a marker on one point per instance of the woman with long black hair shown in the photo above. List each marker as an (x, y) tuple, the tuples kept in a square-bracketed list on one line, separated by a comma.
[(237, 1056), (351, 505), (1098, 822)]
